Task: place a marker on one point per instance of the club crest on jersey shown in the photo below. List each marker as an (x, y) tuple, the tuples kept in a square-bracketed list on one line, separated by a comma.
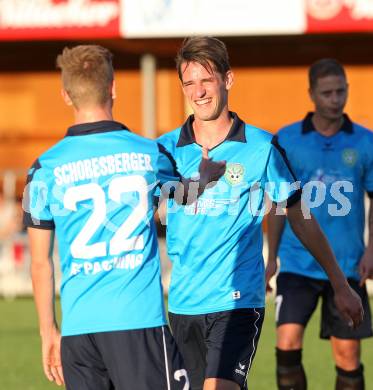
[(349, 157), (234, 173)]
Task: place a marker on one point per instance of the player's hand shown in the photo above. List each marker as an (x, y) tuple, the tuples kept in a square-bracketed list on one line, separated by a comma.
[(51, 355), (210, 171), (349, 306), (366, 266), (271, 269)]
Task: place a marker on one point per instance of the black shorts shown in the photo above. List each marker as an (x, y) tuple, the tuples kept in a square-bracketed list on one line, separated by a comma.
[(218, 345), (296, 300), (141, 359)]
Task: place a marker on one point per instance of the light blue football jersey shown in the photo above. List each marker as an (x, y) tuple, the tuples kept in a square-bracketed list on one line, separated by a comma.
[(215, 244), (95, 188), (341, 167)]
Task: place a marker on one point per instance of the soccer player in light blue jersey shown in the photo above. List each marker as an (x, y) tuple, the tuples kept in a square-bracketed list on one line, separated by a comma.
[(95, 189), (217, 291), (333, 158)]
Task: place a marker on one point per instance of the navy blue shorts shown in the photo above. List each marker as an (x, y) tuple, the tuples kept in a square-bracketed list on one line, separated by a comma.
[(141, 359), (218, 345), (296, 300)]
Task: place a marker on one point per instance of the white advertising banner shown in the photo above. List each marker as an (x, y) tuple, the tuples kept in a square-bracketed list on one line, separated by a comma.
[(179, 18)]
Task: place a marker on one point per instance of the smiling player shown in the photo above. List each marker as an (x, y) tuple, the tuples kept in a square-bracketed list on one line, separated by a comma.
[(217, 291)]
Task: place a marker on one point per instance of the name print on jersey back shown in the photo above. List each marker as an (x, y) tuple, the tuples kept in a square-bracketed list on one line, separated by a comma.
[(101, 166), (96, 190)]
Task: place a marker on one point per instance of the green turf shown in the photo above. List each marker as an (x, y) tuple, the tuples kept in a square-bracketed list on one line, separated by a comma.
[(20, 358), (317, 357), (20, 367)]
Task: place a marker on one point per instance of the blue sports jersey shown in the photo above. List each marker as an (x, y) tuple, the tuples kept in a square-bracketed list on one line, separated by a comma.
[(341, 166), (95, 188), (215, 244)]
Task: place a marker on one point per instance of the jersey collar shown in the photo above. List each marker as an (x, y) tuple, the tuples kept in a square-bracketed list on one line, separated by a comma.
[(95, 127), (307, 125), (236, 132)]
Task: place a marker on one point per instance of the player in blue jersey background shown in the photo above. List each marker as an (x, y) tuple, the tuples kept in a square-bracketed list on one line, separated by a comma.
[(95, 190), (217, 291), (333, 158)]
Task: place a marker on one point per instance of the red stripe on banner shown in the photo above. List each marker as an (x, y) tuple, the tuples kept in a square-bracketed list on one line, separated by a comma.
[(27, 34), (339, 16)]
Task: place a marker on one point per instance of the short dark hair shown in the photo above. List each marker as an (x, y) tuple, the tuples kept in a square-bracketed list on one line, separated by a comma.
[(207, 51), (324, 67)]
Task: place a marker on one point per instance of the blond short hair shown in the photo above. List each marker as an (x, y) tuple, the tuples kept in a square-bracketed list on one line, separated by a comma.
[(87, 74)]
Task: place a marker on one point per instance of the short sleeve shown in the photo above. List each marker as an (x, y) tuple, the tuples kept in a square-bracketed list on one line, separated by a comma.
[(36, 208), (368, 167), (282, 185)]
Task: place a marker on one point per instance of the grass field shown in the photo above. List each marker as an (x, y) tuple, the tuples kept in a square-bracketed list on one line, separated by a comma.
[(20, 367)]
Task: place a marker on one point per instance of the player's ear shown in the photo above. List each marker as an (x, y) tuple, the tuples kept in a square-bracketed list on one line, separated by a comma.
[(66, 97), (113, 90), (229, 78)]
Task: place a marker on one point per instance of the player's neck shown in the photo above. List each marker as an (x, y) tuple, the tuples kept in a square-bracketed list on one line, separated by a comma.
[(93, 114), (325, 126), (212, 133)]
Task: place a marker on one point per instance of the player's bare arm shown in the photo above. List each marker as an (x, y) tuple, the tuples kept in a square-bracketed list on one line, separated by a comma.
[(366, 263), (309, 233), (275, 227), (41, 244)]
